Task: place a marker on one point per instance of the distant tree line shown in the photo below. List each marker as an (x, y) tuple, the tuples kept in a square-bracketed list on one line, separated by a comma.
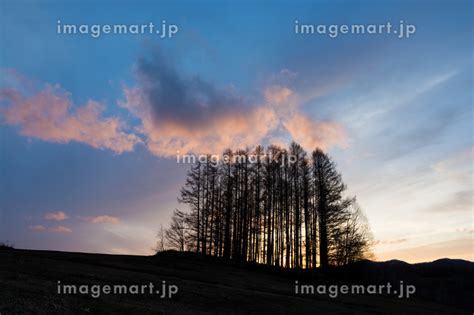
[(274, 206)]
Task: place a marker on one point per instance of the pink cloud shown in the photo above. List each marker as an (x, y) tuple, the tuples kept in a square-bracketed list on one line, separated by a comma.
[(60, 229), (104, 219), (312, 134), (278, 94), (231, 129), (57, 229), (37, 228), (48, 115), (56, 216), (234, 129), (201, 119)]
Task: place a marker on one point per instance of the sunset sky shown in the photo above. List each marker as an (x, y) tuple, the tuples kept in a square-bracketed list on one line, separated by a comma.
[(90, 127)]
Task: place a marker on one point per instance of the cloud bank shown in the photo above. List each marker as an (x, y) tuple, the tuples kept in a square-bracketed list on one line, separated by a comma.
[(176, 113), (189, 115)]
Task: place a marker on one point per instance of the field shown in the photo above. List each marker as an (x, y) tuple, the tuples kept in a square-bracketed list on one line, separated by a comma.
[(29, 284)]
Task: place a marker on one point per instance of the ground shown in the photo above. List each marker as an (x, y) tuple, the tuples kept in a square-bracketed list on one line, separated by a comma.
[(29, 284)]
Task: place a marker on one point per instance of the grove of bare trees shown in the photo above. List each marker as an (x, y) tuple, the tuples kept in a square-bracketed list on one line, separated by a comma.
[(274, 206)]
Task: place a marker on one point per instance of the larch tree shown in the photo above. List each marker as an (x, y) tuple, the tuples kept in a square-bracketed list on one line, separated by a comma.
[(275, 206)]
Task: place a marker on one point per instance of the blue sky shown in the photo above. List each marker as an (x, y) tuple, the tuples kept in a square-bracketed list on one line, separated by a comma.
[(396, 114)]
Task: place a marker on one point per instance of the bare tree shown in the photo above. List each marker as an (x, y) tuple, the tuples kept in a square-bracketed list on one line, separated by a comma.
[(353, 238), (177, 233), (272, 211), (191, 194), (160, 244), (331, 205)]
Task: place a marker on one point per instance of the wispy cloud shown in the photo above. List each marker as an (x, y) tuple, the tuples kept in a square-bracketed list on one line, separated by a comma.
[(390, 242), (465, 230), (56, 216), (37, 228), (459, 201), (450, 164), (56, 229), (60, 229), (103, 219)]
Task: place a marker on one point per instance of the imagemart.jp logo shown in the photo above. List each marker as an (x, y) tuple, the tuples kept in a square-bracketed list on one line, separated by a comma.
[(334, 290), (162, 291), (402, 30), (163, 30)]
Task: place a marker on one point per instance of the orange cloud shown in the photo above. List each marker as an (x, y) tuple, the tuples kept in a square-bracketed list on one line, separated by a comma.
[(48, 116), (56, 216), (177, 115), (233, 128), (312, 134)]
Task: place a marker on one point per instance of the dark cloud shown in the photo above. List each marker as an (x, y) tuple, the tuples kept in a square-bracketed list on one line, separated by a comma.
[(173, 97)]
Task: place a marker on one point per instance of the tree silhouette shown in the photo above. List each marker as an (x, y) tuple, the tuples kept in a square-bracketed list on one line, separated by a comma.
[(274, 206), (331, 205), (176, 234)]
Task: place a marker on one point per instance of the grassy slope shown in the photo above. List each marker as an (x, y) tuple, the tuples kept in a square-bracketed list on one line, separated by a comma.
[(28, 285)]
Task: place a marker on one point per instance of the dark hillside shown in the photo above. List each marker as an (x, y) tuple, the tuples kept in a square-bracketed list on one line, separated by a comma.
[(209, 285)]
